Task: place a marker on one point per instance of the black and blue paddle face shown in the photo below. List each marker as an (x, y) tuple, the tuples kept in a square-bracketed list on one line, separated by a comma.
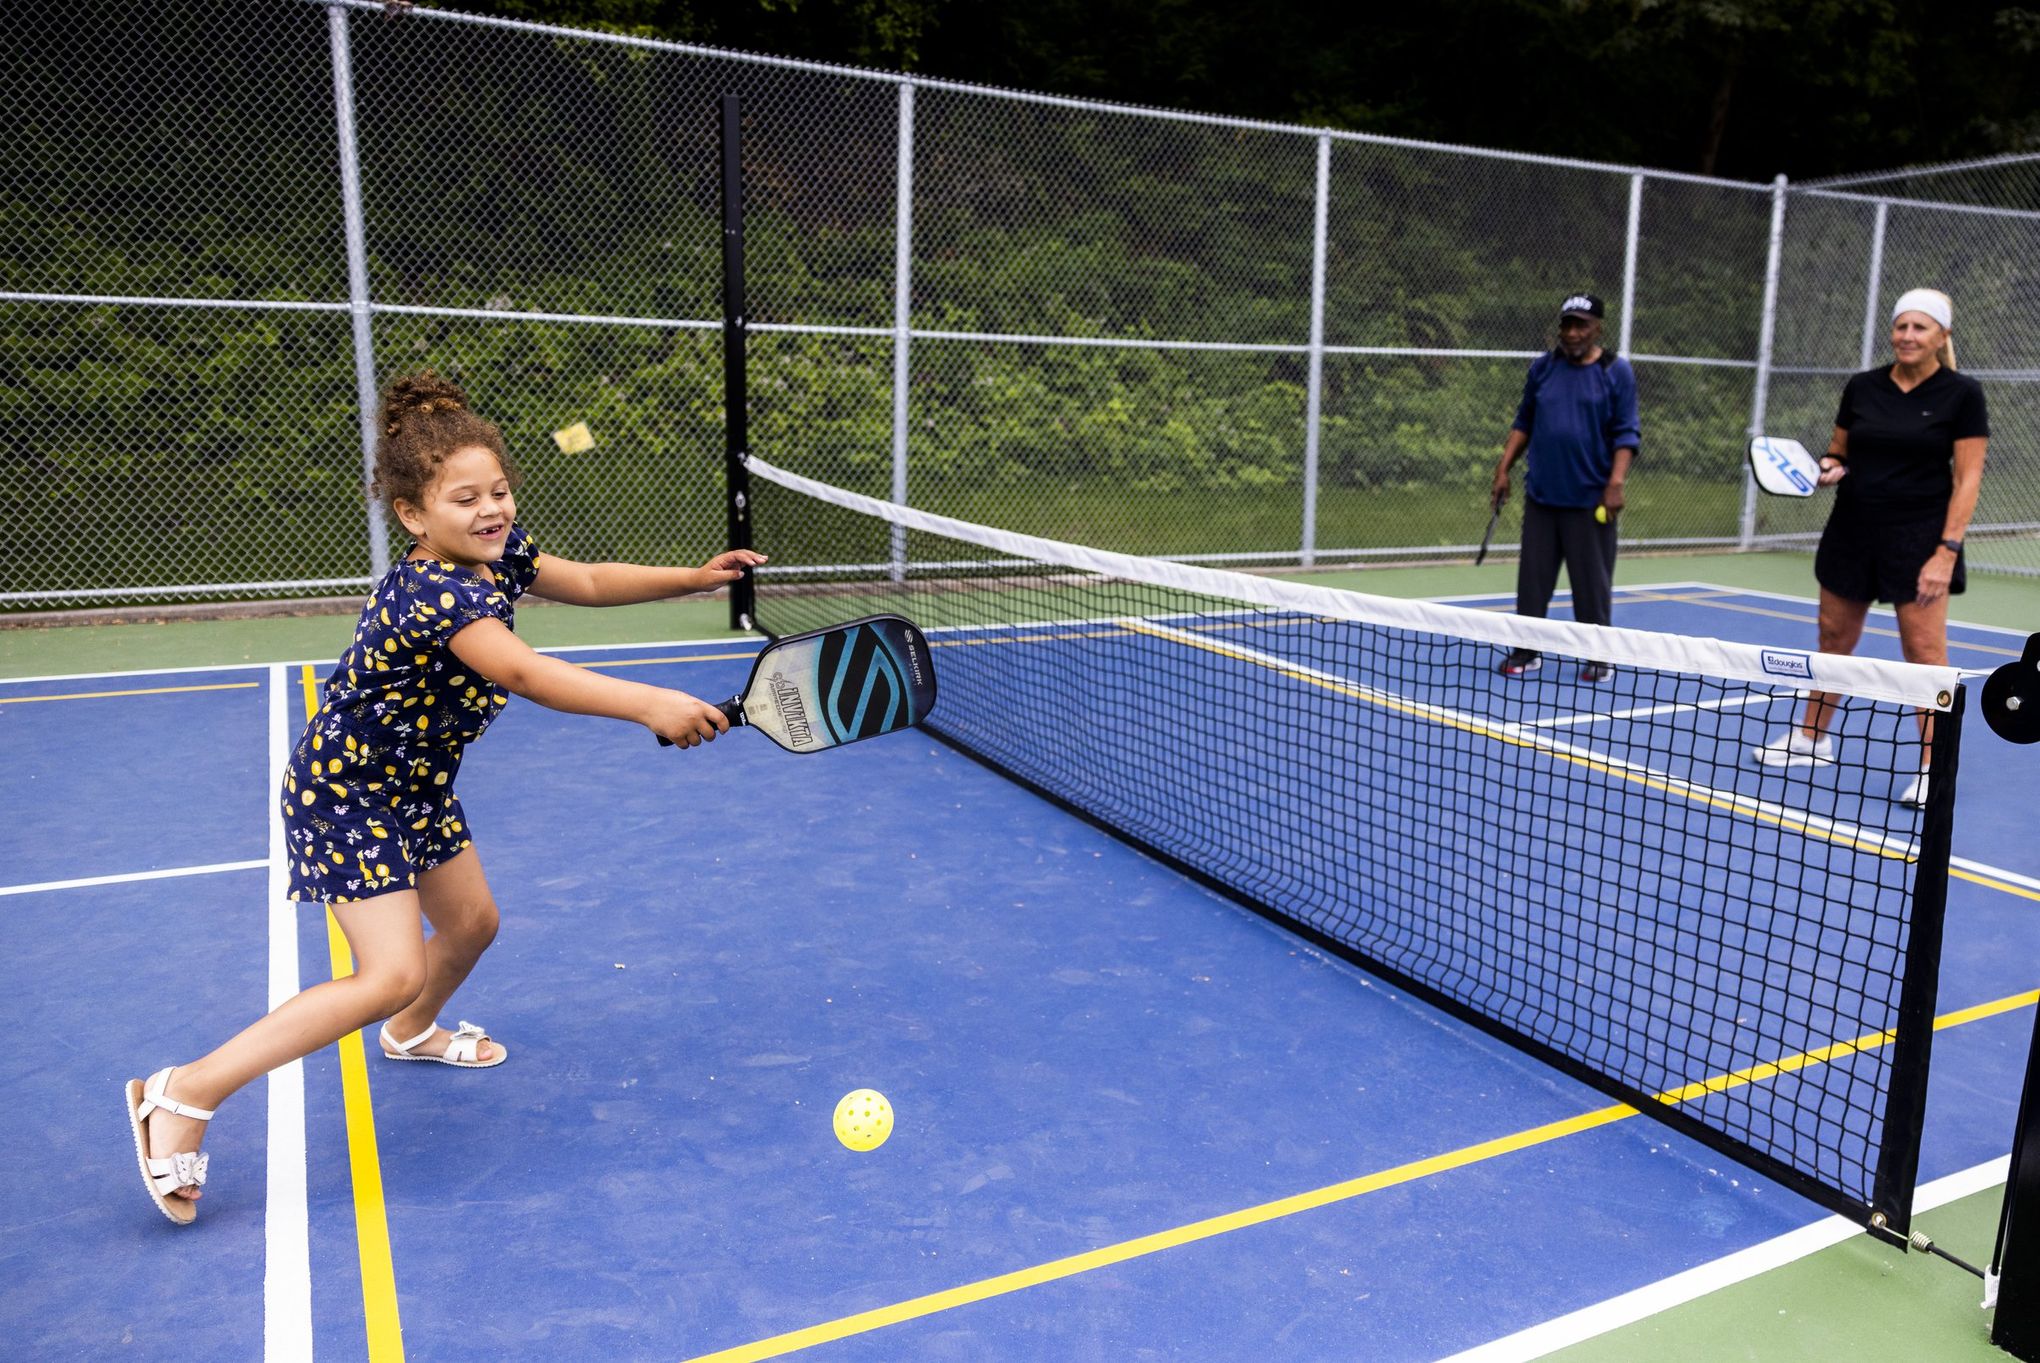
[(809, 692), (834, 686)]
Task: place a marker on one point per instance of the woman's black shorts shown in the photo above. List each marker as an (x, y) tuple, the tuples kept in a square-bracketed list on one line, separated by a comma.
[(1865, 560)]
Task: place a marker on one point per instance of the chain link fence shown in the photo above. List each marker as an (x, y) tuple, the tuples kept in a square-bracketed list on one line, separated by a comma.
[(1852, 245), (228, 226)]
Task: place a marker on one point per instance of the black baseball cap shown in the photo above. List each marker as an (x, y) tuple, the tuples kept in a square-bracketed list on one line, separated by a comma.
[(1581, 305)]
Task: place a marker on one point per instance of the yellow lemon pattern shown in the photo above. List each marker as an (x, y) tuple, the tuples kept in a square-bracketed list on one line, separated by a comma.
[(368, 798)]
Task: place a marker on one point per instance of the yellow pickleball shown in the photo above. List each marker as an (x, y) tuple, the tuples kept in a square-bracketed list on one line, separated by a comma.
[(863, 1119), (575, 439)]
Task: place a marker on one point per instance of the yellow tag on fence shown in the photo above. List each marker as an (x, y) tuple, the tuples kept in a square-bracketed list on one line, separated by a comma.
[(576, 439)]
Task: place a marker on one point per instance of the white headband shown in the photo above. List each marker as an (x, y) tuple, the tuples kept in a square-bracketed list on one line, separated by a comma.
[(1932, 302)]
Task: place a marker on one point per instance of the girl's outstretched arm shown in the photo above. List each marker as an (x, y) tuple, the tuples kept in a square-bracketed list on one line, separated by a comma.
[(625, 584), (491, 649)]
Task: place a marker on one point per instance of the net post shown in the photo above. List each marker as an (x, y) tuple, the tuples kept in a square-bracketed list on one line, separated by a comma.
[(358, 301), (1628, 329), (1314, 394), (1898, 1155), (736, 392), (1874, 286), (1767, 327), (2016, 1326), (903, 312)]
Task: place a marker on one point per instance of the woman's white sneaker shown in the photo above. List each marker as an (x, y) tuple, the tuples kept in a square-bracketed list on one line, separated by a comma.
[(1795, 749), (1916, 794)]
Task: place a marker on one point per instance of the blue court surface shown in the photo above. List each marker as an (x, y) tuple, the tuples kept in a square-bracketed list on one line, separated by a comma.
[(1134, 1119)]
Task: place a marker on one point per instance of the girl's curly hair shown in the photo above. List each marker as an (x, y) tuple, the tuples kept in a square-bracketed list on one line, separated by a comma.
[(424, 419)]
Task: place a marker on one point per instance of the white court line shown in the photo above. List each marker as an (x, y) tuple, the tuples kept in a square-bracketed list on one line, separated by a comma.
[(1726, 591), (1885, 611), (1680, 1288), (1565, 594), (287, 1255), (325, 663), (129, 876), (1597, 717), (1997, 872), (134, 672)]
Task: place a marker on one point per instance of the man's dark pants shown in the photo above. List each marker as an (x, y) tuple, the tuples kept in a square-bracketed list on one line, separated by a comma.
[(1555, 534)]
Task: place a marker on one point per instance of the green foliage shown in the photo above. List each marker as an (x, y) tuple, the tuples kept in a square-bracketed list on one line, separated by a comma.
[(512, 172), (177, 446), (1808, 87)]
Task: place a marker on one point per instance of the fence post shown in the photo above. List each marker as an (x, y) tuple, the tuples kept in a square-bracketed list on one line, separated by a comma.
[(1629, 265), (1875, 286), (736, 363), (365, 396), (1766, 333), (903, 308), (1314, 392)]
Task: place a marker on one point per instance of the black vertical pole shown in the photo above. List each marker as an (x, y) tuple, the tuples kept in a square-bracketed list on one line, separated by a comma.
[(736, 391), (1898, 1161), (2016, 1327)]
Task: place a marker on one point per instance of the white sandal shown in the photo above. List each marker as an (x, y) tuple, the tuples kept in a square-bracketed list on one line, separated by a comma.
[(163, 1177), (461, 1050)]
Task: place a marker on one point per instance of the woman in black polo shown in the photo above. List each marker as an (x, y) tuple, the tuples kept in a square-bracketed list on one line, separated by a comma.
[(1907, 459)]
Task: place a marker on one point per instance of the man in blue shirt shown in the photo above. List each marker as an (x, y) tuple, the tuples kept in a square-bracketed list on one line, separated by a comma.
[(1577, 422)]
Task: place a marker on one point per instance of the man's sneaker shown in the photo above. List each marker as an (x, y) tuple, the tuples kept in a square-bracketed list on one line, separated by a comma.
[(1795, 749), (1521, 663), (1916, 793), (1597, 672)]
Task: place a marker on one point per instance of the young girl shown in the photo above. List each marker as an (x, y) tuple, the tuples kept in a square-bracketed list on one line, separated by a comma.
[(373, 828)]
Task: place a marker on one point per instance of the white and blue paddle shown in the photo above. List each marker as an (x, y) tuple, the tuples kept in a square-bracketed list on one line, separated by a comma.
[(1783, 467)]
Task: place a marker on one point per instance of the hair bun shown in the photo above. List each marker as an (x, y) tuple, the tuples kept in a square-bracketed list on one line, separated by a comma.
[(422, 394)]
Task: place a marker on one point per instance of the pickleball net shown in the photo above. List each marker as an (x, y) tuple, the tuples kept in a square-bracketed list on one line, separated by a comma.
[(1598, 872)]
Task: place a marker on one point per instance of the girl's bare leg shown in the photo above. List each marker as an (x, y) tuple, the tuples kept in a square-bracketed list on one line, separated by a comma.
[(388, 941), (455, 896)]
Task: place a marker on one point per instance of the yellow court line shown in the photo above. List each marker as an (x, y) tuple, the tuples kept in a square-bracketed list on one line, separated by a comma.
[(1992, 883), (1021, 1279), (1169, 1239), (142, 691), (2011, 1003), (371, 1216)]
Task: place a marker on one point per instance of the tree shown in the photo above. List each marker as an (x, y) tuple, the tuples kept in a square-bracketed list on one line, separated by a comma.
[(1745, 88)]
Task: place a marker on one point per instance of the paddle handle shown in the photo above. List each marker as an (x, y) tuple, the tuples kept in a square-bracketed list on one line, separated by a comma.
[(733, 711)]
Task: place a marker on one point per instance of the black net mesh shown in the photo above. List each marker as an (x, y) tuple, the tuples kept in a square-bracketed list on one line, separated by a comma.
[(1603, 871)]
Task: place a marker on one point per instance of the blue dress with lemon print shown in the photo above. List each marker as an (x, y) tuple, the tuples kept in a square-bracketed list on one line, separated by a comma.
[(368, 798)]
